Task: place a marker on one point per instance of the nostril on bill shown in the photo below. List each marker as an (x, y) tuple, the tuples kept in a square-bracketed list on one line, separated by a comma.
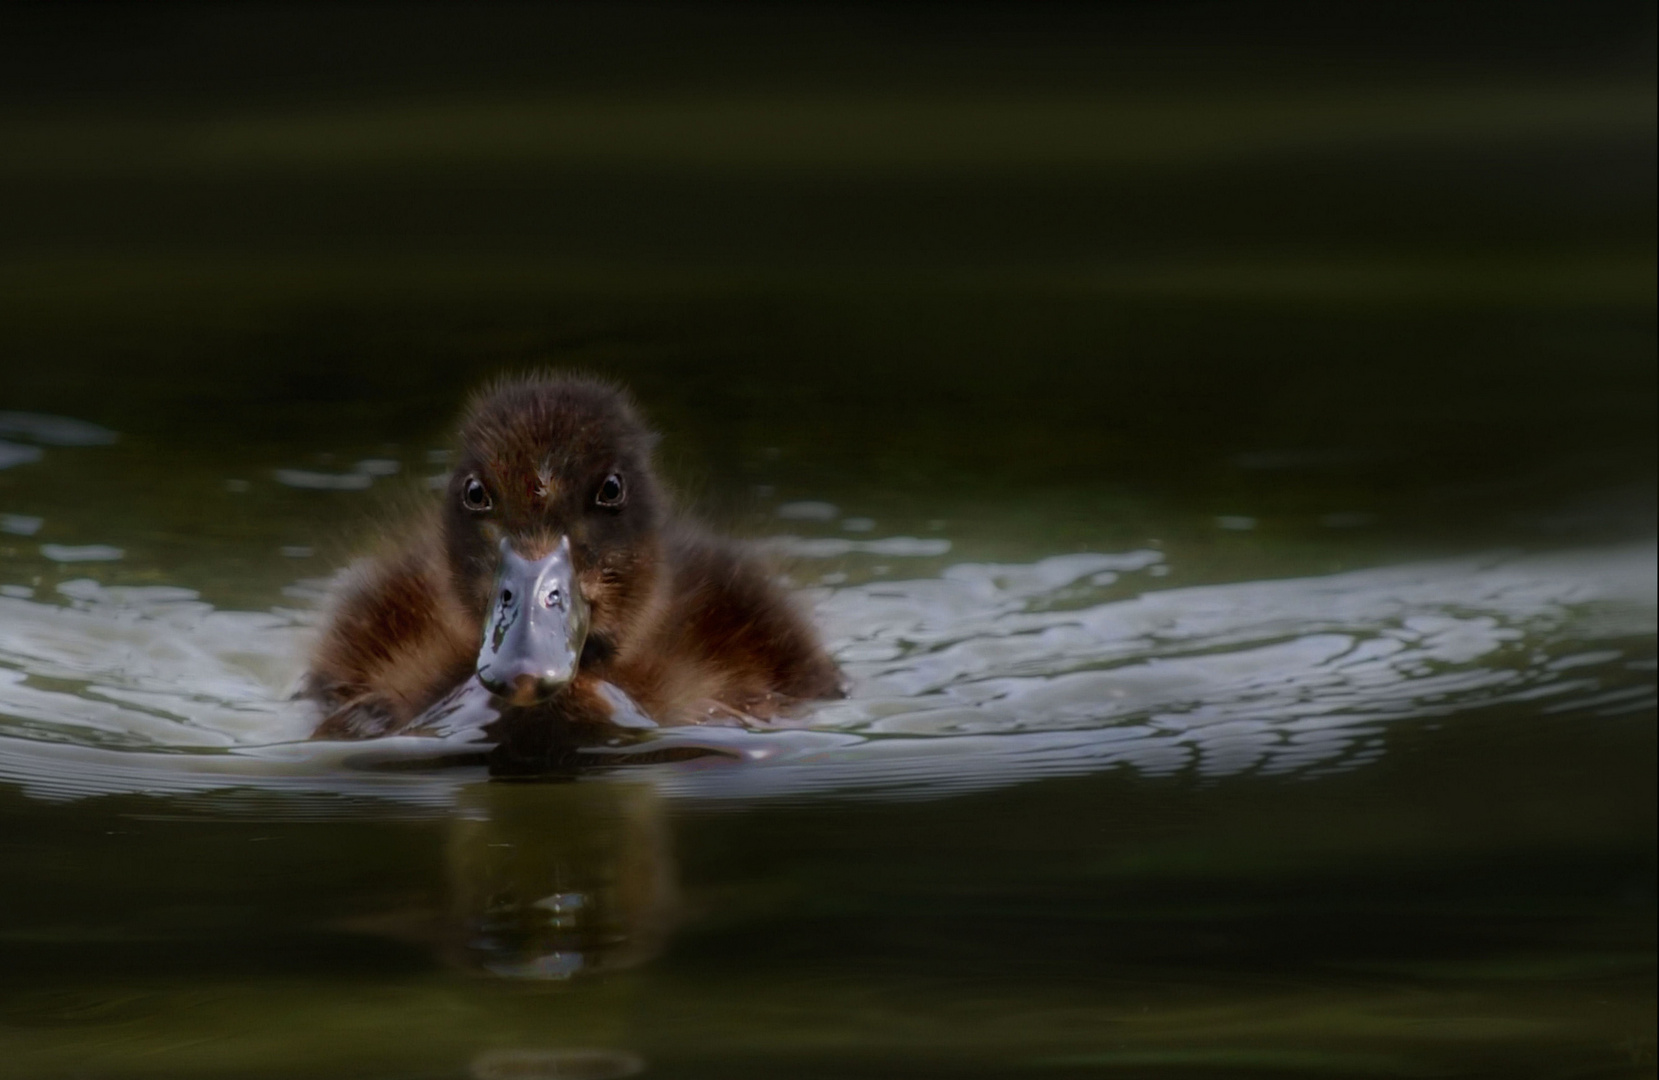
[(506, 596)]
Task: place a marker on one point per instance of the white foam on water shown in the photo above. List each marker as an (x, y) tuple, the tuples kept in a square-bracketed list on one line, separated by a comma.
[(987, 675)]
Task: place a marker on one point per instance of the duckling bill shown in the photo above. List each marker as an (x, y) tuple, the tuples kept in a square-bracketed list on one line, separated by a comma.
[(537, 626), (554, 571)]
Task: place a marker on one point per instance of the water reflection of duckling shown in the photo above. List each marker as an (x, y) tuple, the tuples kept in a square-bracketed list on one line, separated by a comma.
[(545, 883), (555, 881), (556, 547)]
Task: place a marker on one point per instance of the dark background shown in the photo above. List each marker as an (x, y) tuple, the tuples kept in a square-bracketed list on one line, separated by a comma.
[(1063, 276)]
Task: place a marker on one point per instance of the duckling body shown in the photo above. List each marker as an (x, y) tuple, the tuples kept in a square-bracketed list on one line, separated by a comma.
[(552, 567)]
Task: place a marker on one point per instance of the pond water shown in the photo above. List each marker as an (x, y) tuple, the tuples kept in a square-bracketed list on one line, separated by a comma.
[(1234, 516)]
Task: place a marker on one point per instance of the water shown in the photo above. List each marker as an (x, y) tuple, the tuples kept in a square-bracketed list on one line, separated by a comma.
[(1221, 462), (987, 675)]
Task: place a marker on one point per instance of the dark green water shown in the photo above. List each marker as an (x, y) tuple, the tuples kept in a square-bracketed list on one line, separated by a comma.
[(1219, 450)]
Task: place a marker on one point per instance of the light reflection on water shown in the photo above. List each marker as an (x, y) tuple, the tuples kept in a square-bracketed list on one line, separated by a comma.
[(982, 676)]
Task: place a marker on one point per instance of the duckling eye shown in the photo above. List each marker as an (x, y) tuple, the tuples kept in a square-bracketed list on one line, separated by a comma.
[(611, 492), (474, 495)]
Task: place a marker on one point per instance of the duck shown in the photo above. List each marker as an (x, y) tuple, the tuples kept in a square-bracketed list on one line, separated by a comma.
[(556, 571)]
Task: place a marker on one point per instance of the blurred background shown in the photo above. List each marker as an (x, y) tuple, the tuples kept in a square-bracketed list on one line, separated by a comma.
[(979, 314), (1119, 270)]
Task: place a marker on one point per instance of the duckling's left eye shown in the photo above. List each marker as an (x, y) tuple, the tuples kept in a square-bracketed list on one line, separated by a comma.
[(611, 492)]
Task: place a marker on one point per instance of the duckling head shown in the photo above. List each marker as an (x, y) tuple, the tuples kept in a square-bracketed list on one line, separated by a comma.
[(551, 527)]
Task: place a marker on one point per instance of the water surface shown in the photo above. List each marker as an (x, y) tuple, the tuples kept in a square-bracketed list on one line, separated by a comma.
[(1229, 497)]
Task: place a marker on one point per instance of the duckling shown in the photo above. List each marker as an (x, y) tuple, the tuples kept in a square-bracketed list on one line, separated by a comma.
[(556, 573)]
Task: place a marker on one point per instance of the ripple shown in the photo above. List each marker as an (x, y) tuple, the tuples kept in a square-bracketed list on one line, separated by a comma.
[(16, 454), (54, 430), (321, 481), (832, 547), (66, 553), (986, 675)]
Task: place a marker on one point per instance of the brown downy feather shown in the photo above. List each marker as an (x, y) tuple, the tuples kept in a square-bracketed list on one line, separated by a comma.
[(687, 624)]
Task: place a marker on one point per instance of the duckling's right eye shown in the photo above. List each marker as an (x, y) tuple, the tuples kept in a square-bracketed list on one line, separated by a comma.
[(474, 495)]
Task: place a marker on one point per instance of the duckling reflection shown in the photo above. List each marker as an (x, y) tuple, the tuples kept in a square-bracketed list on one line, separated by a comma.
[(554, 881)]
